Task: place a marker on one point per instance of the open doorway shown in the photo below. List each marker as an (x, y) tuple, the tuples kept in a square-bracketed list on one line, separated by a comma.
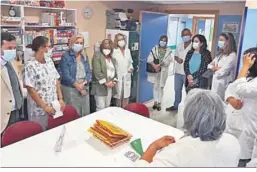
[(170, 23), (198, 24)]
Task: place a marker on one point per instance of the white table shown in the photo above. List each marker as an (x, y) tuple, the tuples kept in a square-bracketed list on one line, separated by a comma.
[(80, 148)]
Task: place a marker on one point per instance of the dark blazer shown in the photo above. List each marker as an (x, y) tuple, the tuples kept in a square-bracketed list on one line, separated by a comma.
[(100, 73), (205, 60)]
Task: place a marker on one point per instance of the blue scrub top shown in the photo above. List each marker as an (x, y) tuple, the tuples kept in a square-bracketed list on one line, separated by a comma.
[(195, 63)]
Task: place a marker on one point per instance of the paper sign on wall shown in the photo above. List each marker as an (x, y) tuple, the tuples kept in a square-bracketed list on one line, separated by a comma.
[(86, 39), (231, 27)]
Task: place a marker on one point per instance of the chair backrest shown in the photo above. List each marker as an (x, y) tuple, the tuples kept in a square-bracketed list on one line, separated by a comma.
[(138, 108), (69, 114), (19, 131)]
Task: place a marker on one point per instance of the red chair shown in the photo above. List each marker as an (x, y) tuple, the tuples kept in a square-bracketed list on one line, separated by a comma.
[(138, 108), (19, 131), (69, 114)]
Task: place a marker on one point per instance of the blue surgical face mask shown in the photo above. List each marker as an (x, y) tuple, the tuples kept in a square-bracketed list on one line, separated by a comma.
[(221, 44), (77, 47), (9, 55), (163, 43), (186, 38)]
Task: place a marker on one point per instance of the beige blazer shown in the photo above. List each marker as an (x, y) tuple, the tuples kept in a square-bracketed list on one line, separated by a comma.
[(6, 95)]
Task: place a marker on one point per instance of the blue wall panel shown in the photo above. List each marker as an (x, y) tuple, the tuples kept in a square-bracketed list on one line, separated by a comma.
[(153, 26), (250, 33), (228, 19)]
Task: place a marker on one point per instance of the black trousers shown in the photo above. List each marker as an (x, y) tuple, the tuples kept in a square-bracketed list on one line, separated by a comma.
[(243, 162)]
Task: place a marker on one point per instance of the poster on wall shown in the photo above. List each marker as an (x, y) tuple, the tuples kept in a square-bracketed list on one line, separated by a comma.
[(232, 27)]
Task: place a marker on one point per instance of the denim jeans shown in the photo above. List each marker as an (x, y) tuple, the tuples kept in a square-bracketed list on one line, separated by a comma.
[(179, 82)]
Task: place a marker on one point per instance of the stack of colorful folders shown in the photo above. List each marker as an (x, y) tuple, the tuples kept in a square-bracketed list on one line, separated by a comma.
[(111, 135)]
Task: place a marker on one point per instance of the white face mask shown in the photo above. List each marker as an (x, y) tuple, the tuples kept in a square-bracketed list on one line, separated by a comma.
[(196, 45), (106, 52), (121, 43)]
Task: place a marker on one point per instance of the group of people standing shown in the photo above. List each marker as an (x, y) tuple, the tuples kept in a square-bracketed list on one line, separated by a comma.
[(110, 76), (111, 73), (194, 63)]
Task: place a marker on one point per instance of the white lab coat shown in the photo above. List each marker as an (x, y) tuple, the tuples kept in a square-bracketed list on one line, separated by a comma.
[(168, 58), (245, 120), (124, 63), (225, 74), (234, 125), (192, 152), (253, 162)]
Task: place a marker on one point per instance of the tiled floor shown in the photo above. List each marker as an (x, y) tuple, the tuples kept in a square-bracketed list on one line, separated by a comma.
[(169, 118)]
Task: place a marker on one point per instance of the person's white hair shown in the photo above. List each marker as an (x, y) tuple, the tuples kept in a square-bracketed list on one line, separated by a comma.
[(204, 115)]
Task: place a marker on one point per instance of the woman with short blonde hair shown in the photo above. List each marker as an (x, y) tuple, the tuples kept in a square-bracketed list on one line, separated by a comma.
[(124, 66), (76, 75)]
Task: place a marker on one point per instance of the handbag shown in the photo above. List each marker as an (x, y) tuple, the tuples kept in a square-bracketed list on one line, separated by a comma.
[(206, 79), (149, 67)]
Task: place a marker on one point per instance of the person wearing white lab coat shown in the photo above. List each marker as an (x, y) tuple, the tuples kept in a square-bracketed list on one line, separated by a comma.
[(253, 162), (158, 79), (204, 145), (124, 67), (245, 87), (223, 65)]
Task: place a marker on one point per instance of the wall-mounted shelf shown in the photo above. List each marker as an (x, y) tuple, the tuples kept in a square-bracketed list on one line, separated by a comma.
[(37, 7), (60, 21), (9, 25), (31, 26)]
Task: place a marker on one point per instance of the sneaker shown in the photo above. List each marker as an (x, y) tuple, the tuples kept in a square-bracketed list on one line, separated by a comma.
[(172, 108)]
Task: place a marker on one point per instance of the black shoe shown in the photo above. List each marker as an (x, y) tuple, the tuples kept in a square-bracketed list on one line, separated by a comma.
[(155, 106), (159, 107), (172, 108)]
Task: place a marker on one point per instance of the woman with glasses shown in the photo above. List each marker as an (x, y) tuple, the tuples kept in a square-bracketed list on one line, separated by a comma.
[(41, 80)]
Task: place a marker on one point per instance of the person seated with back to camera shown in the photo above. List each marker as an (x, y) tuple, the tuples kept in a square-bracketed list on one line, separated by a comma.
[(204, 145)]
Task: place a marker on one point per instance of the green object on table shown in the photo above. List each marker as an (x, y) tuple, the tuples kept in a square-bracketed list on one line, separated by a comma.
[(137, 146)]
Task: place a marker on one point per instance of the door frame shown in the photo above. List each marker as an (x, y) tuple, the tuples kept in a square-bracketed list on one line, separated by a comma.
[(195, 22), (212, 12)]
